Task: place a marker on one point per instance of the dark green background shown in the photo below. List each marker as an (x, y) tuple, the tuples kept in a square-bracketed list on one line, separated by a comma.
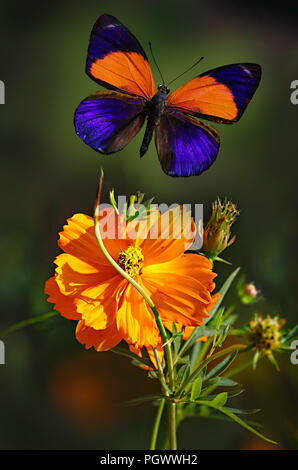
[(53, 394)]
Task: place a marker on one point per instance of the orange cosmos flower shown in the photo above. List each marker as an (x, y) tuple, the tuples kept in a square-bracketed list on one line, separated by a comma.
[(108, 308)]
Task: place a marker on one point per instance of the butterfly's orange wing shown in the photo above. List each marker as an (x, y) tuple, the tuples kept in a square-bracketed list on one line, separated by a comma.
[(219, 95), (117, 61)]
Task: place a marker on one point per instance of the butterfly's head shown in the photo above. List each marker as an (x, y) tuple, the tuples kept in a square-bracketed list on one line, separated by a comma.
[(163, 89)]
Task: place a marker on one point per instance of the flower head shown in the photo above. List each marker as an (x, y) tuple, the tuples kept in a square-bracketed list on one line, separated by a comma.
[(217, 233), (265, 333), (108, 308)]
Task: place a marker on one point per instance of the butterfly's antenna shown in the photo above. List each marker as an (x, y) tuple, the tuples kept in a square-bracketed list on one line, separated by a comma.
[(150, 45), (194, 65)]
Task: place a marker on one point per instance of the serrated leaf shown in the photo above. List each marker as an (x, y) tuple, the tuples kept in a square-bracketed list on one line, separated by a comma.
[(196, 389), (222, 366), (222, 291)]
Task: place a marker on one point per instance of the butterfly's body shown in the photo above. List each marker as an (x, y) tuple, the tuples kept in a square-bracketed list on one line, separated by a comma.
[(108, 120), (155, 109)]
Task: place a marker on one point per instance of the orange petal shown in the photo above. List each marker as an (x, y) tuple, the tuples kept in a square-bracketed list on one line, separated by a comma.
[(101, 340), (78, 237), (134, 319), (73, 282), (99, 310), (178, 298), (63, 304), (169, 237)]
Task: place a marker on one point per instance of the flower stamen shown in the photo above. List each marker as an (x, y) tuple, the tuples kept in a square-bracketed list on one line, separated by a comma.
[(131, 260)]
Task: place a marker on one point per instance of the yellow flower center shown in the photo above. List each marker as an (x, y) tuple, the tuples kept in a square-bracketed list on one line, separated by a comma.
[(131, 260)]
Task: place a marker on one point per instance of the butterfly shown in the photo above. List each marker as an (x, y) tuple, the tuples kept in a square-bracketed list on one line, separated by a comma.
[(108, 120)]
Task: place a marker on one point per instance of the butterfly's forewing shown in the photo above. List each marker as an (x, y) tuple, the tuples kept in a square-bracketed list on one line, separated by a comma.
[(219, 95), (108, 120), (117, 61), (185, 146)]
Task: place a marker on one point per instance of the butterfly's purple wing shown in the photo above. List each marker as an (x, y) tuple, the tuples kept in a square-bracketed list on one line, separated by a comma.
[(108, 120), (185, 146)]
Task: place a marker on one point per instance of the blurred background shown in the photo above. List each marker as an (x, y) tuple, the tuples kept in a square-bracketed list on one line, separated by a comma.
[(53, 393)]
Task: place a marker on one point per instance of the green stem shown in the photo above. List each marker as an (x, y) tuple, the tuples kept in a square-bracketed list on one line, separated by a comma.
[(144, 294), (172, 425), (29, 321), (163, 333), (157, 424)]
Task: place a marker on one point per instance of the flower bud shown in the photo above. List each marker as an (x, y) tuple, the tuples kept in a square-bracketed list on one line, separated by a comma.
[(247, 291), (217, 233)]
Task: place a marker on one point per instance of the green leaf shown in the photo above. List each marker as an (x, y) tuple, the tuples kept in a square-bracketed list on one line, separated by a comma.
[(195, 354), (230, 320), (232, 394), (222, 291), (220, 400), (28, 321), (245, 425), (217, 402), (242, 412), (125, 352), (140, 400), (256, 358), (196, 389), (223, 382), (222, 366), (293, 332), (210, 382), (177, 339), (236, 418), (197, 333), (183, 373), (273, 361)]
